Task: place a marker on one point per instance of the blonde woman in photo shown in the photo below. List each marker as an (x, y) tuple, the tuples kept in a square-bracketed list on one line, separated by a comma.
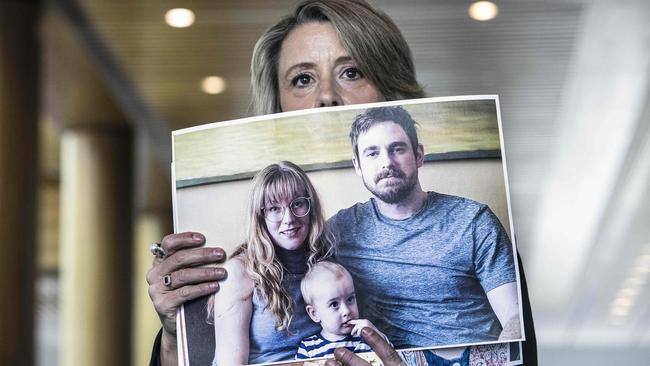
[(259, 314)]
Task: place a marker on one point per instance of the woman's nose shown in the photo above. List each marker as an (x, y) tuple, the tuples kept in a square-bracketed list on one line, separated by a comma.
[(328, 95), (288, 216)]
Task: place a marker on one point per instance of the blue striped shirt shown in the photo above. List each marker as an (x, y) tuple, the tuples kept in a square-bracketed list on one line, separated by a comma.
[(317, 346)]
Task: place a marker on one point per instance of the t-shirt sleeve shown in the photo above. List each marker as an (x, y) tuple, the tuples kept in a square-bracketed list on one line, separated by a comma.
[(493, 254)]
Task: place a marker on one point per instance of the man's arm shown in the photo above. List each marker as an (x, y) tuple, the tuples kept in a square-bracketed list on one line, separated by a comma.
[(505, 304)]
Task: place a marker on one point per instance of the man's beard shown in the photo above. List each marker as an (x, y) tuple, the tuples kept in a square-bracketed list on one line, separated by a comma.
[(394, 193)]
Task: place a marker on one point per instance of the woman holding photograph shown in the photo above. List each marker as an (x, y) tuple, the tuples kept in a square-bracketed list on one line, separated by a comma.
[(325, 53), (259, 314)]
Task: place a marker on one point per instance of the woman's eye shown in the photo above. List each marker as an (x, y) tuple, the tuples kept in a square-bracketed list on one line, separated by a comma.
[(352, 73), (273, 209), (301, 80)]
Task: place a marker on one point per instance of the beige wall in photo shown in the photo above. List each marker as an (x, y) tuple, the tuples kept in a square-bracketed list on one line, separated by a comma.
[(218, 210)]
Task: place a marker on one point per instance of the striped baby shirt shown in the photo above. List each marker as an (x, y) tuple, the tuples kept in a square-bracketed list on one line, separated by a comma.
[(317, 346)]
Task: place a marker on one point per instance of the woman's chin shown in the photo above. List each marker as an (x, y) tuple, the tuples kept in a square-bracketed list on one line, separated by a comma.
[(290, 244)]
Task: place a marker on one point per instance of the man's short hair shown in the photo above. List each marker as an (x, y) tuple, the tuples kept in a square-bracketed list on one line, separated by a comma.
[(307, 286), (372, 116)]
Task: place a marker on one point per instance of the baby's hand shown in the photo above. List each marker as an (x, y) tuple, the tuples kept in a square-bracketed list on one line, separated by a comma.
[(360, 324)]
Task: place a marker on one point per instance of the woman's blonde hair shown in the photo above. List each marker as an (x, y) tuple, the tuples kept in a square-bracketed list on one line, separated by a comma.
[(370, 37), (282, 181)]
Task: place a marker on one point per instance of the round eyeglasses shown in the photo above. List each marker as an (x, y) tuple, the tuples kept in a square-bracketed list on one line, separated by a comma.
[(299, 207)]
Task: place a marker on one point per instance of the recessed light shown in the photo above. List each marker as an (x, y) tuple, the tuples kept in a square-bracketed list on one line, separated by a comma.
[(619, 311), (629, 292), (179, 18), (643, 263), (483, 10), (213, 85), (622, 302)]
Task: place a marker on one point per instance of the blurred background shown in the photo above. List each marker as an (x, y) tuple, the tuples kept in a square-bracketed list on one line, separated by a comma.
[(90, 90)]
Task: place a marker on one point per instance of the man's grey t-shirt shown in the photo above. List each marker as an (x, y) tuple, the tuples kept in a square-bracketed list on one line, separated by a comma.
[(423, 280)]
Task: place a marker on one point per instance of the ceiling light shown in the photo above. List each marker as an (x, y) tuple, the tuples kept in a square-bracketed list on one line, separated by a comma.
[(636, 279), (483, 10), (213, 85), (629, 292), (179, 18), (643, 263), (619, 311), (622, 302)]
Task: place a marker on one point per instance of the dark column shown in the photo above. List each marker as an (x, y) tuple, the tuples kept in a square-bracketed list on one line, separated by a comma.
[(18, 168)]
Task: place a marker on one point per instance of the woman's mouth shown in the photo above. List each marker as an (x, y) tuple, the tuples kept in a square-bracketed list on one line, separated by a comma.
[(290, 232)]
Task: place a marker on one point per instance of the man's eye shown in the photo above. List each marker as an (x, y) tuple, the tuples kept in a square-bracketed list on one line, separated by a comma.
[(301, 80), (352, 73), (372, 154), (334, 304), (352, 299)]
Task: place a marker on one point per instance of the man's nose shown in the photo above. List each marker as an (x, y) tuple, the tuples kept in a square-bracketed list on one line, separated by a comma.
[(328, 95), (385, 159)]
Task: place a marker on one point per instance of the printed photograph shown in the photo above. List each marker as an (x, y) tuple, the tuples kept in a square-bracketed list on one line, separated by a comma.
[(391, 216)]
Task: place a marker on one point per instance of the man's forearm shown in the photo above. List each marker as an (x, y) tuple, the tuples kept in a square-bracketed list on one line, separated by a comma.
[(512, 329)]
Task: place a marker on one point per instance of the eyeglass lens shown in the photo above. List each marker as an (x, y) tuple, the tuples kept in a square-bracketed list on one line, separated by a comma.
[(299, 207)]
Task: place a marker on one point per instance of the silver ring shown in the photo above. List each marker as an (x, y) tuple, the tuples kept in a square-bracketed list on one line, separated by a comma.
[(157, 250), (167, 280)]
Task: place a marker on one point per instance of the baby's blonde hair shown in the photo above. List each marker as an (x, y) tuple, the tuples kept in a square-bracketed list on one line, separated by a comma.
[(306, 285)]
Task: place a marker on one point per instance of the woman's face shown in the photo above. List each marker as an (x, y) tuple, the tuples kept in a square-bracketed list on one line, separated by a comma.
[(287, 230), (314, 70)]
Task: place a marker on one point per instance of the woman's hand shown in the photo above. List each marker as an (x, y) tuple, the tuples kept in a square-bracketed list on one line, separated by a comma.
[(183, 253), (385, 352)]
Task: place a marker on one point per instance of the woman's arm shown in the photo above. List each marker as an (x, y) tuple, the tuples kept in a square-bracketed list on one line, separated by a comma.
[(233, 308)]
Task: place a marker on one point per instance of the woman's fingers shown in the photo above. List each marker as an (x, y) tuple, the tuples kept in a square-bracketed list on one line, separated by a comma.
[(178, 277), (188, 276), (170, 300), (332, 362), (167, 303), (174, 242), (383, 349), (181, 265), (346, 357)]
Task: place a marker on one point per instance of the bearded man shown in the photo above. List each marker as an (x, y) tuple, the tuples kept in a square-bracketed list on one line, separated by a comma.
[(429, 269)]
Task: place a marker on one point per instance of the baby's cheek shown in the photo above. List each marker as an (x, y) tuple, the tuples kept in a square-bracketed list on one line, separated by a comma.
[(355, 313)]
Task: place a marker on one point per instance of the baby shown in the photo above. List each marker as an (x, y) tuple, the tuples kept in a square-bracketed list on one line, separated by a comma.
[(328, 291)]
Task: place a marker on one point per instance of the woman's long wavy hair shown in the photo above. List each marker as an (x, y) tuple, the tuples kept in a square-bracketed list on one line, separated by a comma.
[(277, 182), (370, 37)]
